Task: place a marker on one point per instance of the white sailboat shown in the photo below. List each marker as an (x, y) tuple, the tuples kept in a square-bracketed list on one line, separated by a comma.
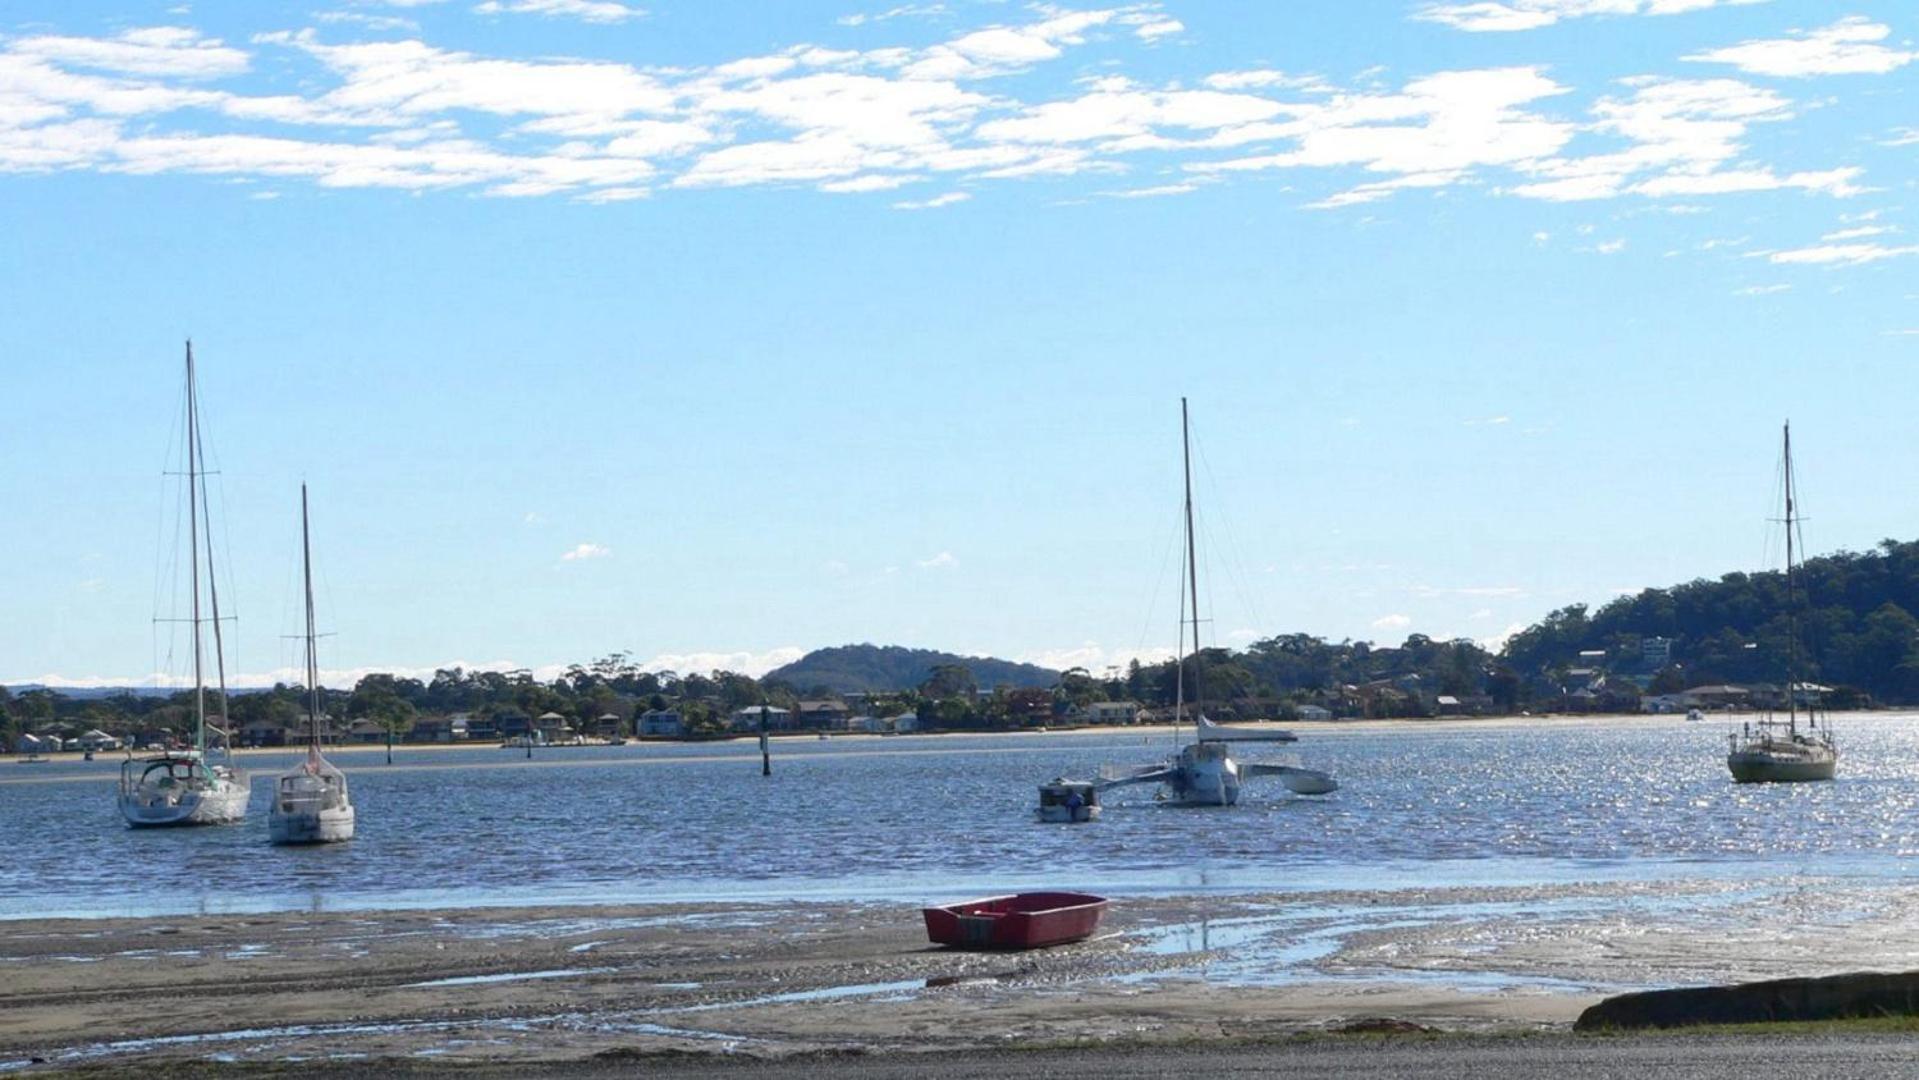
[(1770, 750), (311, 804), (1204, 772), (184, 787)]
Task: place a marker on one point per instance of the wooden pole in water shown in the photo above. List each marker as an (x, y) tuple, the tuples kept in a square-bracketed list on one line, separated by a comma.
[(766, 750)]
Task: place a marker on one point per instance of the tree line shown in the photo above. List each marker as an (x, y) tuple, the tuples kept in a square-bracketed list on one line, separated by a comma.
[(1852, 612)]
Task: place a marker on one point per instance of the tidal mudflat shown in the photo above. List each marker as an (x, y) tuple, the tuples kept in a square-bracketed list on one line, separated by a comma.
[(551, 984)]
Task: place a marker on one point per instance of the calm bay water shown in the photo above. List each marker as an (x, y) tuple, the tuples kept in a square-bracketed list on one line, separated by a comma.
[(917, 817)]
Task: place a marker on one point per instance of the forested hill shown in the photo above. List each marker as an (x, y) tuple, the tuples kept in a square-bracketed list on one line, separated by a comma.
[(877, 668), (1857, 628)]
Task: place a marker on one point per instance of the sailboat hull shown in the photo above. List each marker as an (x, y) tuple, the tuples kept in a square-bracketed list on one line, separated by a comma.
[(1763, 767), (221, 802), (1206, 775), (321, 827)]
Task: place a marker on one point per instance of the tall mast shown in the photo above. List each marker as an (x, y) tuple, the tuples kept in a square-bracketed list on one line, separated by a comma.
[(1192, 562), (1792, 613), (213, 596), (313, 656), (193, 546)]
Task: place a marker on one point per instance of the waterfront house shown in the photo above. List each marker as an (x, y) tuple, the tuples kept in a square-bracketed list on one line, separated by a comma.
[(870, 725), (903, 722), (661, 724), (1716, 697), (97, 740), (749, 718), (441, 729), (263, 731), (823, 715), (1314, 712), (1111, 712), (38, 744), (552, 727), (366, 730), (483, 728), (606, 726)]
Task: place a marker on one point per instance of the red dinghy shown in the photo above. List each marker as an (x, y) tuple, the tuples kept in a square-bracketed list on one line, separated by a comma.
[(1027, 921)]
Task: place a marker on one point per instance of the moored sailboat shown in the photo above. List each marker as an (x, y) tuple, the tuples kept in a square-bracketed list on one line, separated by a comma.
[(183, 787), (1204, 772), (1769, 750), (311, 804)]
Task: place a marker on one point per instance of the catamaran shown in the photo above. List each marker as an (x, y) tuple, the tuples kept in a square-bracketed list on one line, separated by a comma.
[(184, 787), (1204, 772), (1769, 750), (311, 804)]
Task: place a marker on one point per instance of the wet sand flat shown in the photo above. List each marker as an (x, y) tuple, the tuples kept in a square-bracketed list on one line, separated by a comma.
[(546, 984)]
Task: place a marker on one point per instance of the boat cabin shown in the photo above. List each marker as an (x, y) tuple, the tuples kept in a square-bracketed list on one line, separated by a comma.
[(1068, 801)]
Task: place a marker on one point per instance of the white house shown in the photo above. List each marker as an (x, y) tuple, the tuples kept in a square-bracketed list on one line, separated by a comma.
[(661, 724), (98, 740), (903, 722), (1111, 712), (748, 718), (1314, 712), (871, 725)]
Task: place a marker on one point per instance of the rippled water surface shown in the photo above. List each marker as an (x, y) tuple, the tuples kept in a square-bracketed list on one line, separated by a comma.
[(912, 817)]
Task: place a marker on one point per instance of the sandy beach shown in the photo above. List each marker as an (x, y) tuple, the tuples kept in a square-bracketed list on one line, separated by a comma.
[(558, 984)]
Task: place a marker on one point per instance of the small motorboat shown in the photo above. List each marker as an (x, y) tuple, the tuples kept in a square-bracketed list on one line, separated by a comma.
[(1065, 802), (1032, 920), (1693, 716)]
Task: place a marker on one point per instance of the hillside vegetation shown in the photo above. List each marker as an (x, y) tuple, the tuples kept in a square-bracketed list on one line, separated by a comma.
[(848, 669), (1857, 629)]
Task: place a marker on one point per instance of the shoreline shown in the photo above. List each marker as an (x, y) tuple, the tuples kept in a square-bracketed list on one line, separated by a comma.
[(1299, 727)]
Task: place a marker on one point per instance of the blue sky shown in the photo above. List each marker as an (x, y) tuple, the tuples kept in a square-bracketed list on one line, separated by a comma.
[(714, 332)]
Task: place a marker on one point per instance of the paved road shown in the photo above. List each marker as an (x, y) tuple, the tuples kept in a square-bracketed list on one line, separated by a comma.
[(1852, 1057)]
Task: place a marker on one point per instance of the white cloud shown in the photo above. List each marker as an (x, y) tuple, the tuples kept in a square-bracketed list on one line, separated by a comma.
[(1094, 657), (1002, 50), (371, 22), (1858, 232), (1265, 79), (593, 11), (583, 551), (1839, 254), (1392, 622), (601, 196), (1433, 132), (1761, 290), (893, 13), (1158, 28), (1610, 247), (1498, 16), (935, 202), (1685, 137), (1851, 46), (744, 662), (870, 182), (409, 115), (157, 50), (1154, 192), (943, 561)]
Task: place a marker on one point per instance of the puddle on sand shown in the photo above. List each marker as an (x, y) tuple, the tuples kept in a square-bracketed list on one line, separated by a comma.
[(510, 976), (825, 993), (1289, 946)]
